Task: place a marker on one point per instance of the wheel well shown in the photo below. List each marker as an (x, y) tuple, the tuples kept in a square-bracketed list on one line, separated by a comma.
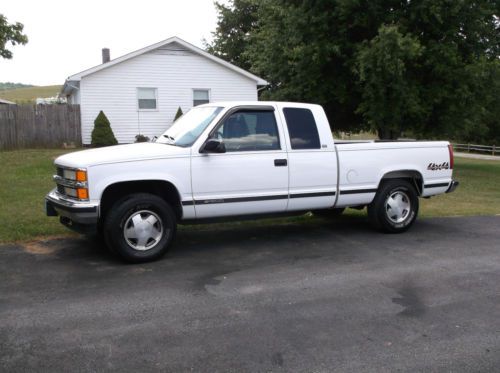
[(412, 176), (161, 188)]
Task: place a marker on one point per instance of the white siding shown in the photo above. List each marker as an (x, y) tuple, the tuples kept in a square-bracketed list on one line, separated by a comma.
[(174, 73)]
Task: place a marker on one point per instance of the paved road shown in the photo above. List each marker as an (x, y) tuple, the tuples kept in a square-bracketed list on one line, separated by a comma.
[(322, 297)]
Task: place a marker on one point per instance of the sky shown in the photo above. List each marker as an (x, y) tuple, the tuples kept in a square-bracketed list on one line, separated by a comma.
[(66, 37)]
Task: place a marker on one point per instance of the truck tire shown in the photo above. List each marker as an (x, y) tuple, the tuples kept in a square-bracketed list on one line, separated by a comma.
[(140, 227), (395, 206), (329, 213)]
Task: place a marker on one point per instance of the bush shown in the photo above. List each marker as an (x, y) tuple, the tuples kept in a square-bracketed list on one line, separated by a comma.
[(178, 114), (141, 138), (102, 134)]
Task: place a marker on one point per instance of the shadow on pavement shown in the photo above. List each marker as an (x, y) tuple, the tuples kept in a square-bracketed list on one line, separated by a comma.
[(211, 240)]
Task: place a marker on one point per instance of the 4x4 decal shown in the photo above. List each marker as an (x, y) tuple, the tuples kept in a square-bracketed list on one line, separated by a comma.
[(438, 167)]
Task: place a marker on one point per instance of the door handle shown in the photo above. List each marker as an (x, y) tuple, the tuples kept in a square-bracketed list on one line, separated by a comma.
[(280, 162)]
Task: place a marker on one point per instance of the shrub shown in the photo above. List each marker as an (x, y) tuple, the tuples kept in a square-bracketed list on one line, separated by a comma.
[(102, 134), (178, 114), (141, 138)]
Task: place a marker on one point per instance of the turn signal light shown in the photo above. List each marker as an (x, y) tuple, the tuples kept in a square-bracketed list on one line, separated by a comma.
[(81, 175), (82, 193)]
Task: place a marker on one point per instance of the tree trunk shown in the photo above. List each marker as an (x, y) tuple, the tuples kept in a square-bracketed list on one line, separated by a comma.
[(387, 134)]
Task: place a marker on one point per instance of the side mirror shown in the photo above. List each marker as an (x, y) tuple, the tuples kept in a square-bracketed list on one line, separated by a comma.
[(213, 146)]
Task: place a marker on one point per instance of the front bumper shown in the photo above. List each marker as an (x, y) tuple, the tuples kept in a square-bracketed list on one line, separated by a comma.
[(71, 212), (453, 186)]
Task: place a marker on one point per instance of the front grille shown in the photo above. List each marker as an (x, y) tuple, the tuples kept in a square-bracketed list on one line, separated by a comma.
[(60, 172), (60, 189)]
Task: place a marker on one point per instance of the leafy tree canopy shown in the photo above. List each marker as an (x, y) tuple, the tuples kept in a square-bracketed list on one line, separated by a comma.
[(235, 26), (12, 33), (390, 98), (10, 85), (422, 67)]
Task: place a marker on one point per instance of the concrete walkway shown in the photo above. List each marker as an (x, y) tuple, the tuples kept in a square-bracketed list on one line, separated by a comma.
[(477, 156)]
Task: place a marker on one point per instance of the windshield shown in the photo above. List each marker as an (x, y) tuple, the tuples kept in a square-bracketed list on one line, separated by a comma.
[(189, 127)]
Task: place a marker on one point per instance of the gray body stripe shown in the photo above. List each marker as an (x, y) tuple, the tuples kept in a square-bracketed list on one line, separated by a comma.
[(440, 185), (275, 197)]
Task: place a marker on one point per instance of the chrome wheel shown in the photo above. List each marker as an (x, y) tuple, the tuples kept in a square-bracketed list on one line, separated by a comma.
[(398, 207), (143, 230)]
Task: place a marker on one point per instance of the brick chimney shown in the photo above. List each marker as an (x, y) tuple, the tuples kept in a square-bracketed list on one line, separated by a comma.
[(105, 55)]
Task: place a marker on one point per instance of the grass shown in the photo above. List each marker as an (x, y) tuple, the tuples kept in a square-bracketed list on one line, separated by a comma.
[(477, 194), (25, 179), (27, 176), (29, 94)]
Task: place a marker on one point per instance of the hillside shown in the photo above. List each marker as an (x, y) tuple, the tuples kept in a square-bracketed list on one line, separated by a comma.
[(28, 95)]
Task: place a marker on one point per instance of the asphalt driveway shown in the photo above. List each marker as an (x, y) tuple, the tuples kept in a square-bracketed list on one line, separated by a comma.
[(330, 296)]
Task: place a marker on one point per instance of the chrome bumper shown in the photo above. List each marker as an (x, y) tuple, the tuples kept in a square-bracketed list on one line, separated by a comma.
[(453, 186), (86, 213)]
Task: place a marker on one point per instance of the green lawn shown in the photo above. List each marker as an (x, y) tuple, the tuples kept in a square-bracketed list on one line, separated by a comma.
[(27, 176), (477, 194), (25, 179)]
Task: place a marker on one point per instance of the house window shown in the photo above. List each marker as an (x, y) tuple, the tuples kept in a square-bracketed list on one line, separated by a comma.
[(146, 98), (200, 97)]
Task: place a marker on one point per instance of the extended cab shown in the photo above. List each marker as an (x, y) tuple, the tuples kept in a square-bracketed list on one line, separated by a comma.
[(223, 160)]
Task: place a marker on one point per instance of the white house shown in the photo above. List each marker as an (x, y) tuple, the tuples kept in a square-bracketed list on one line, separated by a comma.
[(140, 92)]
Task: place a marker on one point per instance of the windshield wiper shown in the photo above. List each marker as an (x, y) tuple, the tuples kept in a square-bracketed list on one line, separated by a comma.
[(169, 137)]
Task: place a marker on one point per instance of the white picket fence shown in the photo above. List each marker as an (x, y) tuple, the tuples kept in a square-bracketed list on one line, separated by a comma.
[(476, 148)]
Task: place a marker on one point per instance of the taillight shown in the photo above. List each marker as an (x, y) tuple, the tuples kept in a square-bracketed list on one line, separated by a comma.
[(450, 150)]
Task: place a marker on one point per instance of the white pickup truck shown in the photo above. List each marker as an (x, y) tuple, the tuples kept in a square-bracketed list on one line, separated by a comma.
[(232, 159)]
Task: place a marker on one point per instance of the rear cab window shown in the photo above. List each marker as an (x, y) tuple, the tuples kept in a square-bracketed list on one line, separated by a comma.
[(302, 128)]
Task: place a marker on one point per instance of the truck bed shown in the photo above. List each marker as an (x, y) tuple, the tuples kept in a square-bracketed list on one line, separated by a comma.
[(362, 164)]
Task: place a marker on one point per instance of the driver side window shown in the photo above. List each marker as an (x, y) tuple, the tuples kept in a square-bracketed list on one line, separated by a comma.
[(249, 130)]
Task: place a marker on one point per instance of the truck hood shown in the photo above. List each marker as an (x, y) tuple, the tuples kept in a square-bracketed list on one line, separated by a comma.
[(120, 153)]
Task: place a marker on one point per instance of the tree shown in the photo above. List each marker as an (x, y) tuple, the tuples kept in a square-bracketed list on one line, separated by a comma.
[(12, 33), (391, 99), (236, 23), (327, 52), (102, 134), (486, 128), (306, 51), (462, 43), (178, 114)]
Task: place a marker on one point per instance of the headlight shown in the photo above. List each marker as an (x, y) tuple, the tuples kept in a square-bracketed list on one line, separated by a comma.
[(72, 182), (69, 174), (76, 175), (80, 193)]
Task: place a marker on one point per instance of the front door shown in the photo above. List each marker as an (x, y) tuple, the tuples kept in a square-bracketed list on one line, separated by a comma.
[(251, 177)]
